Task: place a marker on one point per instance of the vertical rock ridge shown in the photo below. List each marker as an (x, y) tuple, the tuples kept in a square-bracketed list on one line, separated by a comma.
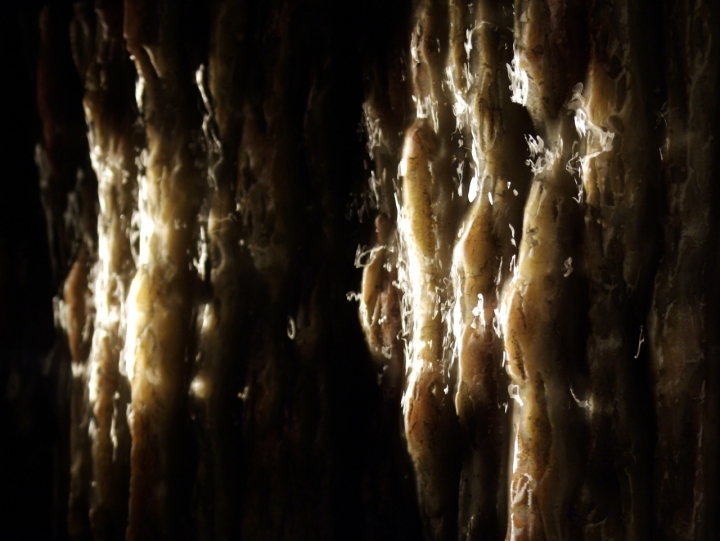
[(160, 300), (484, 260), (424, 239), (114, 139), (540, 325), (69, 193)]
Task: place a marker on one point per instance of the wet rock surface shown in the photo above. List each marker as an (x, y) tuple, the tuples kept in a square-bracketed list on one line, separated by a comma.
[(411, 270)]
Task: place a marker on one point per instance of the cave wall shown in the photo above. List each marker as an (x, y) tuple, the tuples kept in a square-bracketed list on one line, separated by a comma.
[(409, 270)]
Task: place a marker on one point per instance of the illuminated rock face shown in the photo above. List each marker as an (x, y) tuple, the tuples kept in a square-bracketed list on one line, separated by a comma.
[(543, 286), (532, 202)]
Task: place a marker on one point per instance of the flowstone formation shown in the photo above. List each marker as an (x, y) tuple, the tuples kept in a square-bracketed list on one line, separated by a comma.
[(544, 246), (431, 270)]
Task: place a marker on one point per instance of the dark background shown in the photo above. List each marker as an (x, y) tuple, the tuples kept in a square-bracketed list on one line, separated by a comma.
[(29, 422)]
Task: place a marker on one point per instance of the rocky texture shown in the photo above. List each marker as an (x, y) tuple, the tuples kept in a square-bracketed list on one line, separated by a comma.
[(514, 203)]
